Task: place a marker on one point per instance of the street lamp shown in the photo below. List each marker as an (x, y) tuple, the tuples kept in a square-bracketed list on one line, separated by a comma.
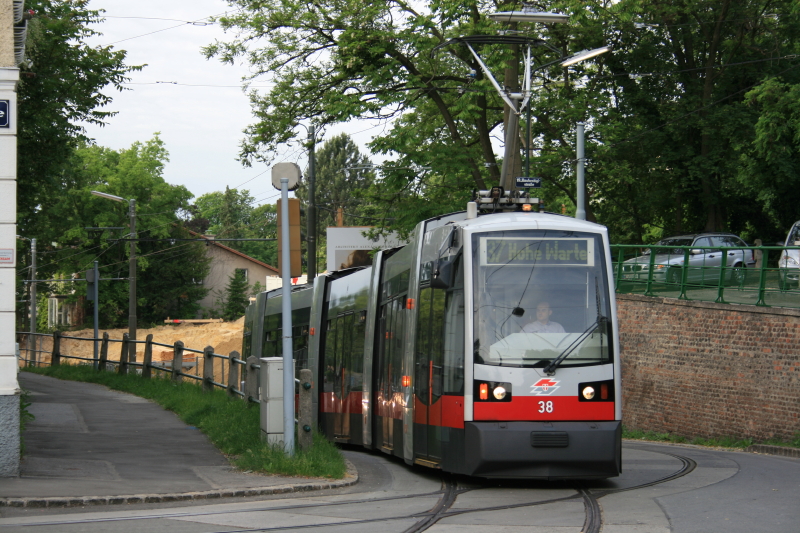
[(131, 270), (585, 54), (529, 14)]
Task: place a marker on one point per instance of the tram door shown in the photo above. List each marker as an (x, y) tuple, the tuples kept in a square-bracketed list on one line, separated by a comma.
[(389, 391), (429, 375), (343, 376)]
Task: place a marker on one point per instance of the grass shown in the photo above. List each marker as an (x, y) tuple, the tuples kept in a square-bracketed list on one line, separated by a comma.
[(718, 442), (25, 416), (232, 425)]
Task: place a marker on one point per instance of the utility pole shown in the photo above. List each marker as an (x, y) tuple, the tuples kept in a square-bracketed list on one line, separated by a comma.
[(131, 270), (96, 298), (580, 209), (132, 276), (33, 300), (311, 216)]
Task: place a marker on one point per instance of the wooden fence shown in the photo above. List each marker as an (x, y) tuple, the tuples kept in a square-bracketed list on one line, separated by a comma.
[(215, 367)]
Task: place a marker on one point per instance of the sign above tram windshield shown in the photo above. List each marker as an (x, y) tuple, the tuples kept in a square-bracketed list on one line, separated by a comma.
[(504, 251)]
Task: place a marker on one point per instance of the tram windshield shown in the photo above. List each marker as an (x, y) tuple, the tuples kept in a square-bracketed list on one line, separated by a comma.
[(540, 298)]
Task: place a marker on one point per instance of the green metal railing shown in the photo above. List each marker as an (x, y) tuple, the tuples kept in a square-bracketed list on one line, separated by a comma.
[(637, 271)]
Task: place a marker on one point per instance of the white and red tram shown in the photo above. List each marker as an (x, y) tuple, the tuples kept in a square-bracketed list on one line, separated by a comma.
[(428, 354)]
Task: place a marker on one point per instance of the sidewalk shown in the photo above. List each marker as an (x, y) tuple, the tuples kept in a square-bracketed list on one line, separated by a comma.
[(90, 445)]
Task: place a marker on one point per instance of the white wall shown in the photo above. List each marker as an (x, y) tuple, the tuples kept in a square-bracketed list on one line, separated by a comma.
[(9, 388)]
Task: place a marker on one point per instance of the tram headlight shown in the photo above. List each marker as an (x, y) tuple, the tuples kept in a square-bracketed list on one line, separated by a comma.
[(596, 391), (492, 391)]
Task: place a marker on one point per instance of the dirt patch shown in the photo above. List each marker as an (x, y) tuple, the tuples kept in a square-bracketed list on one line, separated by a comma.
[(224, 337)]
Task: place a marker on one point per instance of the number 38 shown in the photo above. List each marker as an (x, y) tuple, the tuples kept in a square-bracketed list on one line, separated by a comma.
[(545, 407)]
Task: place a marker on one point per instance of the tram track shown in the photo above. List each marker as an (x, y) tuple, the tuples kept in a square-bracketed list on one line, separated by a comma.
[(445, 498)]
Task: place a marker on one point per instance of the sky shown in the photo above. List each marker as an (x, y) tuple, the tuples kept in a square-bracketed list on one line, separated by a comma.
[(196, 105)]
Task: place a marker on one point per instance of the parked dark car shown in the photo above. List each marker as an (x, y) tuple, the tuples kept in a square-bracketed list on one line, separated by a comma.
[(705, 259)]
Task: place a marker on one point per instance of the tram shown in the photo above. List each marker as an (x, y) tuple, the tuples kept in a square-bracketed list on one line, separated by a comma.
[(486, 346)]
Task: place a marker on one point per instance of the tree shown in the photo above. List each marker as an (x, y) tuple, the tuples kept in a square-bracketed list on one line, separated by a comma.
[(62, 86), (231, 215), (333, 61), (672, 121), (236, 296), (342, 177), (668, 123), (168, 270)]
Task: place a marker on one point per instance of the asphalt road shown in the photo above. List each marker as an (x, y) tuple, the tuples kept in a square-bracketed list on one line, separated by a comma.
[(663, 488)]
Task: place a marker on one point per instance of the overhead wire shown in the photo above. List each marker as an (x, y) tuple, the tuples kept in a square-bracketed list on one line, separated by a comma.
[(194, 22)]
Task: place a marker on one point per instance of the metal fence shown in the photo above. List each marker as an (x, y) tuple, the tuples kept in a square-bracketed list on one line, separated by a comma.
[(33, 353), (686, 273)]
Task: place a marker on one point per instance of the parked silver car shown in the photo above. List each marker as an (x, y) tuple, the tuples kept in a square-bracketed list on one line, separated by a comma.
[(789, 260), (705, 260)]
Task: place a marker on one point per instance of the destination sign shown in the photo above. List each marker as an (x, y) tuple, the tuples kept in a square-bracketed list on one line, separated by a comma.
[(540, 252), (528, 183), (5, 120)]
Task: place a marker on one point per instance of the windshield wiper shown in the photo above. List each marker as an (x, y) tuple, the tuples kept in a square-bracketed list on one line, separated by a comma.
[(550, 369)]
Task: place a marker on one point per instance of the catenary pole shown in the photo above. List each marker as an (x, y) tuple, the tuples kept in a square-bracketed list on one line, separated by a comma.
[(33, 300), (580, 211), (132, 276), (311, 216), (96, 294)]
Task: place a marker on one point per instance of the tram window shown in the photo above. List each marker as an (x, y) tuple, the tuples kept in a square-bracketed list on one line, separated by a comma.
[(423, 345), (437, 337), (272, 322), (453, 340), (339, 355), (396, 341), (271, 346), (346, 352), (358, 353), (396, 273), (330, 358), (517, 271), (300, 347), (381, 367)]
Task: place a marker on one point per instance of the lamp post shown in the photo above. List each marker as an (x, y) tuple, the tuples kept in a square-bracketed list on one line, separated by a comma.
[(131, 270), (286, 177)]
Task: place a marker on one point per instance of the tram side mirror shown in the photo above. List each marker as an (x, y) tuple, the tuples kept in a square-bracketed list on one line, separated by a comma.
[(442, 274)]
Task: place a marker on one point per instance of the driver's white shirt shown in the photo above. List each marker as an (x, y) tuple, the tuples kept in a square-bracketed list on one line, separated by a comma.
[(538, 327)]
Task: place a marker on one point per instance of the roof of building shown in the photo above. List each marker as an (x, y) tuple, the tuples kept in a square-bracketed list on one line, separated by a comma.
[(211, 240)]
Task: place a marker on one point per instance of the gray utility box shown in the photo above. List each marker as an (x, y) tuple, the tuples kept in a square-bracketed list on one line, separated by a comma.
[(271, 377)]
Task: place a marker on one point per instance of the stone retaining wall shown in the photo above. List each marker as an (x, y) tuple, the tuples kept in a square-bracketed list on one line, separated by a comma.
[(701, 369)]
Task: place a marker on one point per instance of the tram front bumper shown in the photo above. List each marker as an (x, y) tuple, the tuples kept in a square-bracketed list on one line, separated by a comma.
[(543, 450)]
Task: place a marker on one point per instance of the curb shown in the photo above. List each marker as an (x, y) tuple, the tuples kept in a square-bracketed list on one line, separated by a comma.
[(351, 478), (774, 450)]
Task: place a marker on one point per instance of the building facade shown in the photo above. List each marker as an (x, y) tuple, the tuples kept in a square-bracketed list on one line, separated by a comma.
[(12, 39), (226, 261)]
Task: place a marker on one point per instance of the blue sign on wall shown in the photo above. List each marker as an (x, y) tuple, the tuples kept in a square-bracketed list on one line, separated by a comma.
[(528, 183), (5, 114)]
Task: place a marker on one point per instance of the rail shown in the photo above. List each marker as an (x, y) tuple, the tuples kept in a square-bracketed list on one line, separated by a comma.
[(755, 275), (33, 353)]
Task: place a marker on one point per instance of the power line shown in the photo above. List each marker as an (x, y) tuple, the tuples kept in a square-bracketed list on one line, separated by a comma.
[(193, 23)]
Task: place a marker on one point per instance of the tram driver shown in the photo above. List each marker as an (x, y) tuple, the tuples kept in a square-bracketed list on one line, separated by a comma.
[(543, 324)]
